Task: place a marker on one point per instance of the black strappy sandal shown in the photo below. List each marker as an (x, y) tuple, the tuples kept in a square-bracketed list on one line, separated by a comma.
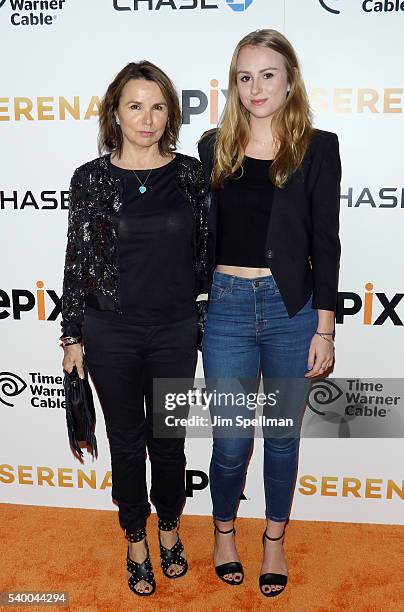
[(232, 567), (171, 556), (139, 571), (272, 579)]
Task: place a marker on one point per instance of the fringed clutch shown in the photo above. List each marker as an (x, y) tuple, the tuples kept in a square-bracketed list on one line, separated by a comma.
[(80, 412)]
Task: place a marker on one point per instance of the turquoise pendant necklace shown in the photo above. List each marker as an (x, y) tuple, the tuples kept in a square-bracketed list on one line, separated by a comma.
[(142, 187)]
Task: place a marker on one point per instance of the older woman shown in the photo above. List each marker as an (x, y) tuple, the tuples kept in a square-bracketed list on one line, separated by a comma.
[(134, 267)]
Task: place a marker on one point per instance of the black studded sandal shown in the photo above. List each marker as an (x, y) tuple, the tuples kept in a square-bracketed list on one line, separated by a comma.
[(232, 567), (171, 556), (139, 571), (271, 579)]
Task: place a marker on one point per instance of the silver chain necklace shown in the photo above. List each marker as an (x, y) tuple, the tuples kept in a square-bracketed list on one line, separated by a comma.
[(142, 186)]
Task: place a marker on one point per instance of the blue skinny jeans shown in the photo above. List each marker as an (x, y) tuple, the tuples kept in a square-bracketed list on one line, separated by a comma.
[(249, 334)]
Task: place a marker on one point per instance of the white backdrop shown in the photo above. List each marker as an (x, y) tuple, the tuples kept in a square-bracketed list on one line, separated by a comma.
[(351, 65)]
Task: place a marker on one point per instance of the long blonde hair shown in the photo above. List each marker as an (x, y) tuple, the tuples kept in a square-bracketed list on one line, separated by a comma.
[(291, 123)]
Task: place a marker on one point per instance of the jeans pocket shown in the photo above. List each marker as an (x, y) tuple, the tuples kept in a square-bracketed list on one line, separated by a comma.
[(218, 292)]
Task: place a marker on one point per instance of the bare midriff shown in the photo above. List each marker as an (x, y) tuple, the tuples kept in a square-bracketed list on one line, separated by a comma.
[(243, 272)]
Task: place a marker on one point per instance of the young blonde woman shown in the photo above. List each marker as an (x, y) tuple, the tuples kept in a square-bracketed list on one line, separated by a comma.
[(273, 265)]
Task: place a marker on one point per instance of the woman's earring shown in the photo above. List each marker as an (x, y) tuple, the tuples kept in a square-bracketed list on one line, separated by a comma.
[(117, 120)]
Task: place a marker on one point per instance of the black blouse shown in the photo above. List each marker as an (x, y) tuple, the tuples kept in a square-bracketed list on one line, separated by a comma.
[(244, 209), (155, 249)]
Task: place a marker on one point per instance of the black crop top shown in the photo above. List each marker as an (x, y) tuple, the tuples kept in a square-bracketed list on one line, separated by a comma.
[(244, 209)]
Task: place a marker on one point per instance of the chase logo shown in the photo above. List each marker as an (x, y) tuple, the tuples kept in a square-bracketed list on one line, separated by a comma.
[(239, 6), (329, 8)]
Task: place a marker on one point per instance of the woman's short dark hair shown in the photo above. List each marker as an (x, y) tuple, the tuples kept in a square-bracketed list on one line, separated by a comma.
[(110, 134)]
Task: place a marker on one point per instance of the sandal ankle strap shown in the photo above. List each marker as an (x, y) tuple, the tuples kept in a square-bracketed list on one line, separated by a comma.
[(232, 530), (168, 525), (135, 536), (274, 539)]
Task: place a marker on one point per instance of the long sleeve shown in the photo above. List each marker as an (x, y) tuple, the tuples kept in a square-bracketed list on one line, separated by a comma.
[(201, 220), (325, 246), (73, 281)]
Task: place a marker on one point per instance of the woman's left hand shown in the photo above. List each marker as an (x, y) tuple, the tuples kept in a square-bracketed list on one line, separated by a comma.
[(321, 356)]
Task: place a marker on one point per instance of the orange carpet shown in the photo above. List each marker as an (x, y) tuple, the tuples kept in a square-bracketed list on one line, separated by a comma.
[(332, 566)]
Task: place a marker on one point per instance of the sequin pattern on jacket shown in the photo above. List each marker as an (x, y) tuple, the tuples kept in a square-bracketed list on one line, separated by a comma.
[(91, 270)]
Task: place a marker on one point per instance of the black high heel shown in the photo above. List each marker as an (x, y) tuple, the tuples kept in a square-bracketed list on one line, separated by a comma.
[(139, 571), (171, 556), (271, 579), (232, 567)]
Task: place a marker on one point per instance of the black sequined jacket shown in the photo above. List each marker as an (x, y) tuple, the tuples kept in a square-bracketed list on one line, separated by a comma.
[(91, 273)]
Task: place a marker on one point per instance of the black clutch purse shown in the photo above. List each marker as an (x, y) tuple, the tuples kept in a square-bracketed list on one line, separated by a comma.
[(80, 412)]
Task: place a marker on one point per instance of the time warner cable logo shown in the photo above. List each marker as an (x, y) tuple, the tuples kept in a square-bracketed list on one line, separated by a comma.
[(34, 12)]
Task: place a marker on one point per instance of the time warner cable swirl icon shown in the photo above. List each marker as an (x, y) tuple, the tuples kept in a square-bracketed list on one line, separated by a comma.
[(239, 6), (322, 393), (10, 386)]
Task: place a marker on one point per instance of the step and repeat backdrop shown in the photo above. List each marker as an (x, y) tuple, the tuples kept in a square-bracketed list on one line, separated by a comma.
[(57, 58)]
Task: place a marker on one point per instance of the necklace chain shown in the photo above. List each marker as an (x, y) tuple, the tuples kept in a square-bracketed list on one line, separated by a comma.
[(142, 187)]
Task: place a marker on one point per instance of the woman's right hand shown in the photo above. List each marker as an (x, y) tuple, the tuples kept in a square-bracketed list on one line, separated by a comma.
[(73, 357)]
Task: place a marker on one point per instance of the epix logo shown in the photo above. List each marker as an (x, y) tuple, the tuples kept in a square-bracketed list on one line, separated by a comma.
[(46, 303), (350, 303)]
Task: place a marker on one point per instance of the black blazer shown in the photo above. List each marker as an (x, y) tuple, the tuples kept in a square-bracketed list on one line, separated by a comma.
[(302, 244)]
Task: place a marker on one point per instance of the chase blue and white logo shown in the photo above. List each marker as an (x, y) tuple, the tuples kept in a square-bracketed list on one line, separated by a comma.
[(239, 6), (34, 12)]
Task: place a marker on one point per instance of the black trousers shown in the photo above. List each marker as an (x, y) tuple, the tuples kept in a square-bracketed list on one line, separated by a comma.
[(122, 360)]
